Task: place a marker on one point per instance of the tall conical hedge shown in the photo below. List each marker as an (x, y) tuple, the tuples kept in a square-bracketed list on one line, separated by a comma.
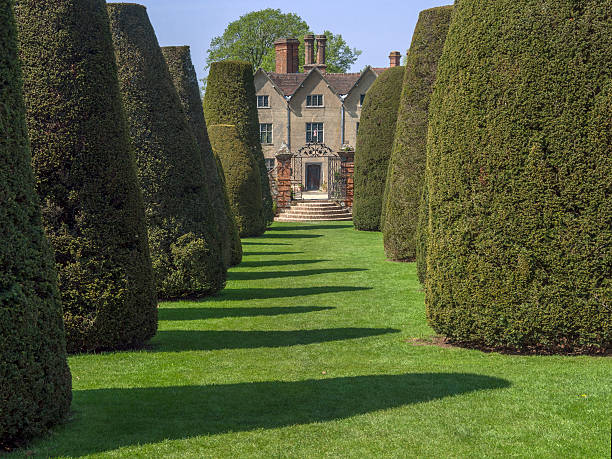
[(518, 170), (230, 99), (35, 382), (185, 81), (242, 177), (373, 149), (236, 242), (184, 242), (405, 177), (84, 166)]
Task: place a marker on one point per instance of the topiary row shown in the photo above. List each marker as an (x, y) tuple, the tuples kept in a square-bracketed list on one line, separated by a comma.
[(230, 99), (242, 177), (185, 81), (405, 177), (85, 174), (373, 148), (183, 237), (35, 382), (518, 174)]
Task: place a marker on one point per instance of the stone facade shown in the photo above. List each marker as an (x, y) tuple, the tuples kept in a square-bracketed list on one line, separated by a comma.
[(283, 98)]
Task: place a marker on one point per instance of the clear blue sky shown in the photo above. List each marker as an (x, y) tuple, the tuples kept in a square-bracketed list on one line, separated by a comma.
[(375, 26)]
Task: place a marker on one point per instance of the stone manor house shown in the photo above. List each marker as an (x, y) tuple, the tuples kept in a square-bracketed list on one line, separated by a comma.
[(315, 107)]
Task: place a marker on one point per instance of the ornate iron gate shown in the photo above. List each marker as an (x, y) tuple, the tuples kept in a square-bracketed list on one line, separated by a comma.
[(336, 183)]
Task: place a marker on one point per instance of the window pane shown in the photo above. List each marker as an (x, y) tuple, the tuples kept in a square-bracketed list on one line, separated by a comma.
[(361, 99), (265, 133)]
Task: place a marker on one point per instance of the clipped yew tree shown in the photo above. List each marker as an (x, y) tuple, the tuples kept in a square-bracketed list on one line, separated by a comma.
[(35, 382), (236, 242), (185, 81), (405, 177), (183, 237), (242, 177), (85, 174), (373, 148), (518, 171), (230, 99)]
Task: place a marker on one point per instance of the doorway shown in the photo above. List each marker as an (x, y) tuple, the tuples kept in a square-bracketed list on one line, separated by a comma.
[(313, 177)]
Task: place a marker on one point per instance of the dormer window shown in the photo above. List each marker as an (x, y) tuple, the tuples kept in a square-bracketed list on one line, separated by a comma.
[(263, 102), (314, 100)]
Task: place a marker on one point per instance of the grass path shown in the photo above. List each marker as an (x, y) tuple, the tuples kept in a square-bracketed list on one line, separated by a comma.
[(308, 353)]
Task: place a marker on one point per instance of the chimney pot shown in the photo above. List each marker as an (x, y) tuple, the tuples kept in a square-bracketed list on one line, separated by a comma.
[(287, 59), (394, 59), (321, 44)]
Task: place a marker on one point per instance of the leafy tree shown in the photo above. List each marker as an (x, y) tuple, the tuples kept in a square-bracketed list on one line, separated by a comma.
[(339, 55), (251, 38)]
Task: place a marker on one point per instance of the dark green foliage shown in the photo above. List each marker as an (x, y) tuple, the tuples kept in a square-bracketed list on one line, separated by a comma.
[(184, 242), (421, 234), (236, 243), (406, 172), (85, 172), (242, 177), (518, 170), (373, 149), (230, 99), (35, 382), (185, 81)]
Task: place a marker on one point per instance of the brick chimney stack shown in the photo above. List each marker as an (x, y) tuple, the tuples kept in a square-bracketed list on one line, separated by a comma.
[(321, 43), (309, 49), (287, 59), (394, 59)]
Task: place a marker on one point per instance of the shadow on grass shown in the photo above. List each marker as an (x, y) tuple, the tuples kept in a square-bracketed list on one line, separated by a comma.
[(264, 243), (269, 253), (221, 313), (314, 226), (245, 294), (108, 419), (261, 263), (289, 236), (254, 275), (216, 340)]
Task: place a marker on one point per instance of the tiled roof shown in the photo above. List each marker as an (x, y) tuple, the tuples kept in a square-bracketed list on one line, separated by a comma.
[(379, 70), (342, 82), (287, 83)]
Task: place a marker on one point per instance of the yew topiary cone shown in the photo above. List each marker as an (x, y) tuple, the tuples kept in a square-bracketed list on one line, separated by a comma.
[(373, 149), (184, 241), (85, 174), (230, 99), (185, 81), (242, 177), (518, 170), (406, 174), (35, 382)]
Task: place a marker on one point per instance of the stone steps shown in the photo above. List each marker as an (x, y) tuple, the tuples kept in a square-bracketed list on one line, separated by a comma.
[(308, 211)]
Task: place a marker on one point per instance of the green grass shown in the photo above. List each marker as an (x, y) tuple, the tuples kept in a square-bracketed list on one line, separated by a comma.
[(308, 353)]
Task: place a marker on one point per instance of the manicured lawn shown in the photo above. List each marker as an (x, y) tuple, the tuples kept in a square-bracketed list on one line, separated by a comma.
[(308, 353)]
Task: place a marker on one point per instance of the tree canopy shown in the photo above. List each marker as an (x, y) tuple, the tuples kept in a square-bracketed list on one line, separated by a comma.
[(251, 38)]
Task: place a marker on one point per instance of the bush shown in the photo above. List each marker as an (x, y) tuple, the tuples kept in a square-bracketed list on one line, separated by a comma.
[(373, 149), (35, 382), (85, 174), (230, 99), (236, 243), (169, 163), (185, 81), (242, 176), (518, 170), (406, 172)]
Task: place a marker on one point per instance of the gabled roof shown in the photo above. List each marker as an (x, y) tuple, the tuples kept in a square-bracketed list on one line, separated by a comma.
[(340, 83)]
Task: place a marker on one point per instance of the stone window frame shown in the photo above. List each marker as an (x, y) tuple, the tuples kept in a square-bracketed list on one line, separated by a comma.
[(319, 98), (320, 132), (361, 99), (270, 163), (266, 129), (263, 97)]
